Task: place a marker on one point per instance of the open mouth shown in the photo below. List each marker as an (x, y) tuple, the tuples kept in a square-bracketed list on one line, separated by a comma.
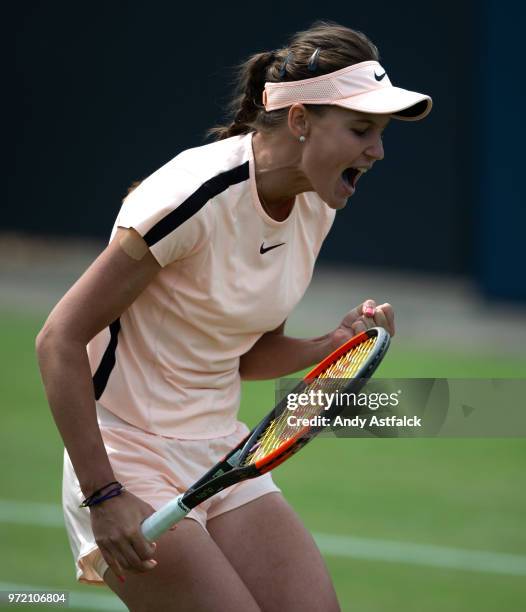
[(350, 176)]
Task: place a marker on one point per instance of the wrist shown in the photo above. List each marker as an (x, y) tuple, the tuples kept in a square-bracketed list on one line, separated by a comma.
[(108, 491), (325, 345), (89, 485), (338, 337)]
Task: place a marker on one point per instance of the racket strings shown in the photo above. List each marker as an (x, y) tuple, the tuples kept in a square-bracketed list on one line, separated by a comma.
[(279, 431)]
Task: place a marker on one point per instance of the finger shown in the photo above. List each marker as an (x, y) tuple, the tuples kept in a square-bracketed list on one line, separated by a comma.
[(145, 550), (113, 564), (358, 312), (388, 311), (135, 563), (359, 326), (381, 320), (368, 308), (368, 322), (121, 554), (119, 557)]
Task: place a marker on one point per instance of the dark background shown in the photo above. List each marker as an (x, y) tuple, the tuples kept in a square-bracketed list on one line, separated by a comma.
[(103, 94)]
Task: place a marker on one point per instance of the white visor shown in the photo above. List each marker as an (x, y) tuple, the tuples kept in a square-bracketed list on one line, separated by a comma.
[(363, 87)]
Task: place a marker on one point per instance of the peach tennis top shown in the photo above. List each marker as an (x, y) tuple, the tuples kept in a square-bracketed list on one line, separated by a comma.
[(170, 363)]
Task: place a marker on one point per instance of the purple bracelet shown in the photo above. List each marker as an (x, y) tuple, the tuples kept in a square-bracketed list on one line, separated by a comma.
[(113, 493), (99, 496)]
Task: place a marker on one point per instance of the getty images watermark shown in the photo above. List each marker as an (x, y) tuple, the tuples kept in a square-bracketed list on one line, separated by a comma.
[(336, 399), (422, 407)]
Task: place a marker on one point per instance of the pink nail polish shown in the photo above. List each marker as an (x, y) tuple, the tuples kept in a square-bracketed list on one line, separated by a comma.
[(369, 311)]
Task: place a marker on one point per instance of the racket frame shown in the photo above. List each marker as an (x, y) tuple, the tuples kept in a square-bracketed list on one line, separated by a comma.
[(230, 470)]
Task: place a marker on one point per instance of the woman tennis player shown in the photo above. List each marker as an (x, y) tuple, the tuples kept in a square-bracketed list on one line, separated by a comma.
[(208, 257)]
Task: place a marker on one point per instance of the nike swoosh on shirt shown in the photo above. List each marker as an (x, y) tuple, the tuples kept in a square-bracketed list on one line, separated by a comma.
[(263, 249), (379, 77)]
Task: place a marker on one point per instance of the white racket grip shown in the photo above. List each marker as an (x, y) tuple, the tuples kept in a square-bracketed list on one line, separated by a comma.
[(166, 517)]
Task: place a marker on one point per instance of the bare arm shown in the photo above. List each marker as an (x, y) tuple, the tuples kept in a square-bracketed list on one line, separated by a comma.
[(275, 355), (105, 290)]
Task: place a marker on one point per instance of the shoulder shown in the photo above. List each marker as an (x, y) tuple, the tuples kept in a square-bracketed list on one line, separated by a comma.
[(197, 173), (169, 208), (225, 157)]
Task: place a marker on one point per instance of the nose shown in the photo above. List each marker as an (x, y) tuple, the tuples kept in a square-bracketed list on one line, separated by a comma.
[(375, 150)]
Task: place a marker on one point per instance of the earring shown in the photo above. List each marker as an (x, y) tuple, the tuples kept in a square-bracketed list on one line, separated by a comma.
[(302, 139)]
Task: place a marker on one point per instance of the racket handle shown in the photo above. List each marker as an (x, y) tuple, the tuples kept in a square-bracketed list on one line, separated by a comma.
[(164, 518)]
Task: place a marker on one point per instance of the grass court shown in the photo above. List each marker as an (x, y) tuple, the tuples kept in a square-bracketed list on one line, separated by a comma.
[(452, 494)]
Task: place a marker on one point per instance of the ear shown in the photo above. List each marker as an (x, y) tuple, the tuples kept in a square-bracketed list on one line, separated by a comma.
[(298, 121)]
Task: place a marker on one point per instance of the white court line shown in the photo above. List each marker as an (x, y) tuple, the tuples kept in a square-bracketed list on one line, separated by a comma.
[(421, 554), (50, 515), (77, 599), (31, 513)]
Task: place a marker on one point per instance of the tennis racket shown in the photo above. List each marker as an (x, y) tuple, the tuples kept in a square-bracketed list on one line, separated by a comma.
[(274, 440)]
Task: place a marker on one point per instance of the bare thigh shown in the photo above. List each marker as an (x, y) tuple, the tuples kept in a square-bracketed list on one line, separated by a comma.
[(275, 556), (192, 574)]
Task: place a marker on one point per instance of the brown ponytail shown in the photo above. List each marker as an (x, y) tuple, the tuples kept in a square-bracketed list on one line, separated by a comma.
[(246, 104), (338, 47)]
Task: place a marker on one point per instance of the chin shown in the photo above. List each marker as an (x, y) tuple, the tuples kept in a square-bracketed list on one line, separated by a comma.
[(334, 200), (337, 204)]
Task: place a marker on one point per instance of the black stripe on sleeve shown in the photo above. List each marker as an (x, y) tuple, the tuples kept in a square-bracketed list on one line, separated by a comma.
[(195, 202), (107, 363)]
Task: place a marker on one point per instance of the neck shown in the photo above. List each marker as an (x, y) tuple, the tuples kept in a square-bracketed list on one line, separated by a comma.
[(277, 211), (278, 177)]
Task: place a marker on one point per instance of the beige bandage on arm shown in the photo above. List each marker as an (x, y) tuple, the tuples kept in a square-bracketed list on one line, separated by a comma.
[(132, 243)]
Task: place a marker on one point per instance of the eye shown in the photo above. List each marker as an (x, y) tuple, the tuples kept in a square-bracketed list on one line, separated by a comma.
[(359, 132)]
